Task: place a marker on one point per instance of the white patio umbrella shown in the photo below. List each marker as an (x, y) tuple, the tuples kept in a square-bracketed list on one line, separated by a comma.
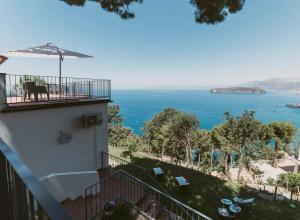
[(48, 50)]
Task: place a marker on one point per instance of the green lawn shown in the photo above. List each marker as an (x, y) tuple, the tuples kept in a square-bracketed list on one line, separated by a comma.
[(206, 191)]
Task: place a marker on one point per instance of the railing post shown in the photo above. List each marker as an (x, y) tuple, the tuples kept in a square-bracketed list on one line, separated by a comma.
[(66, 87), (102, 159), (3, 97), (109, 89), (73, 89), (275, 193), (89, 90)]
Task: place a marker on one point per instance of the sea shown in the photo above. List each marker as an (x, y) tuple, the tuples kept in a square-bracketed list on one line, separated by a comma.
[(138, 106)]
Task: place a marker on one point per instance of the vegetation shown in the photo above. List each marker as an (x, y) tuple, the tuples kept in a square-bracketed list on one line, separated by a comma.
[(206, 191), (241, 135), (283, 134), (291, 181), (153, 133), (119, 135), (296, 150), (205, 11), (177, 135)]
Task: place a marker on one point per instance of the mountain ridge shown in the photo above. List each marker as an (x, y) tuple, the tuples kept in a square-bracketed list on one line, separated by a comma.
[(275, 84)]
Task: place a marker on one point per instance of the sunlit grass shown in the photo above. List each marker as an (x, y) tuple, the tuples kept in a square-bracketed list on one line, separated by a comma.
[(206, 191)]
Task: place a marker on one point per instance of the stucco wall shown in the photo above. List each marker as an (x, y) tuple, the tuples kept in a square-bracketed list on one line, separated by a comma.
[(34, 136), (69, 185)]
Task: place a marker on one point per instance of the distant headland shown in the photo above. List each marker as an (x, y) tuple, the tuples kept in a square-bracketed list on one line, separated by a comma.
[(248, 90), (293, 105)]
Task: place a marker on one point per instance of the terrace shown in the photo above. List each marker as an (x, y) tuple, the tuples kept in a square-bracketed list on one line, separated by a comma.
[(22, 92)]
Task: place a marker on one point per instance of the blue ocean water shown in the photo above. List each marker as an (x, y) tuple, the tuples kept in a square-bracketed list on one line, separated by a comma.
[(138, 106)]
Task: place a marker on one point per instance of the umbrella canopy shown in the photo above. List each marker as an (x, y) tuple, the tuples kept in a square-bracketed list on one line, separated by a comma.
[(48, 50), (2, 59)]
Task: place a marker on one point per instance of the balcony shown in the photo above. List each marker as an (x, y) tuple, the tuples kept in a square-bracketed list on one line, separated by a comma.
[(22, 195), (31, 91)]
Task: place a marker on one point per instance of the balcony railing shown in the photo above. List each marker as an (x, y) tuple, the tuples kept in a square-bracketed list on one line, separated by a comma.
[(21, 194), (123, 185), (34, 89)]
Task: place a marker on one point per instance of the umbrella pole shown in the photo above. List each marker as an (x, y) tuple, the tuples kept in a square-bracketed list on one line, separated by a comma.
[(59, 76)]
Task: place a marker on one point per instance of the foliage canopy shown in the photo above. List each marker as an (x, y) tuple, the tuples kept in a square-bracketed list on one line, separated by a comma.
[(205, 11)]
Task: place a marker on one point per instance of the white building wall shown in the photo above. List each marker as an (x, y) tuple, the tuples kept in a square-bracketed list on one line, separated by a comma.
[(34, 136), (69, 185)]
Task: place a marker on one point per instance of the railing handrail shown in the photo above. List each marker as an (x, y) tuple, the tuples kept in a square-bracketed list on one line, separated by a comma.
[(165, 193), (46, 201), (20, 89), (142, 168), (169, 197), (63, 77), (125, 161), (145, 185)]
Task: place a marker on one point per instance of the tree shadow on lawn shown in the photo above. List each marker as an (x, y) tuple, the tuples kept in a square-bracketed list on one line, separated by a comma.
[(205, 192)]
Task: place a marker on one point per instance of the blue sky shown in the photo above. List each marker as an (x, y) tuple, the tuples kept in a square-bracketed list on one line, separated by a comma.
[(161, 47)]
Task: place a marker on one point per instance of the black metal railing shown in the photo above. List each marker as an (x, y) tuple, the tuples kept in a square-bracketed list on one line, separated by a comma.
[(32, 88), (143, 174), (21, 194), (148, 199)]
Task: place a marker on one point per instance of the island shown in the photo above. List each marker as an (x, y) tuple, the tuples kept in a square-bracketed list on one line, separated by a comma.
[(248, 90), (293, 105)]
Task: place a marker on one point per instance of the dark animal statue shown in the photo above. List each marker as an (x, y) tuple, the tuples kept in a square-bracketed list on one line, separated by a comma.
[(31, 88)]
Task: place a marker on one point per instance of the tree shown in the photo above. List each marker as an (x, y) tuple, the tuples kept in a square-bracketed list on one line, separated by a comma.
[(289, 180), (179, 131), (118, 135), (283, 133), (172, 146), (131, 148), (152, 130), (265, 153), (215, 11), (114, 116), (202, 142), (246, 137), (206, 11), (297, 151), (116, 132), (222, 139), (242, 135)]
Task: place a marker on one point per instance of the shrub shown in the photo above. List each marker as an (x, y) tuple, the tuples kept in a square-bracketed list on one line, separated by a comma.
[(270, 181)]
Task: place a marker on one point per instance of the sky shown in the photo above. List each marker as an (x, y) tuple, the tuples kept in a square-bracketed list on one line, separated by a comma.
[(162, 47)]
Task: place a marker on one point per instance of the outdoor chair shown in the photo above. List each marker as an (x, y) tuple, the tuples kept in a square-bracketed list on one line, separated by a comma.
[(224, 213), (246, 203), (158, 172), (182, 182), (242, 201)]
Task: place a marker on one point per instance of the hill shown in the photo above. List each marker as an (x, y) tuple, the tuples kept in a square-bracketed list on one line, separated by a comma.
[(251, 90), (275, 84)]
